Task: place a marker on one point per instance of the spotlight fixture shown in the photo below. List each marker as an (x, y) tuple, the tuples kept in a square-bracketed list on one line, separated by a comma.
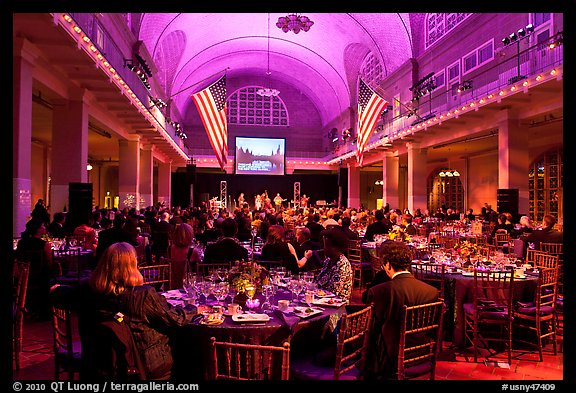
[(158, 102), (556, 40), (294, 23), (386, 109), (506, 41), (529, 28), (518, 35), (465, 85), (332, 135), (346, 134), (143, 64), (139, 71)]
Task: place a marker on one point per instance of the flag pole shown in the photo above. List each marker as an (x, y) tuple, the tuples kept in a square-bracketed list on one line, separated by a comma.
[(200, 81)]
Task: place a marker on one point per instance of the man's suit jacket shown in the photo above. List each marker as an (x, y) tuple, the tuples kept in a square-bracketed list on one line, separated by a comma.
[(226, 249), (389, 299), (377, 228), (546, 235)]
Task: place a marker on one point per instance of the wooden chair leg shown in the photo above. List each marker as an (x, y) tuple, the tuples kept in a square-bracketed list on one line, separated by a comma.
[(539, 340)]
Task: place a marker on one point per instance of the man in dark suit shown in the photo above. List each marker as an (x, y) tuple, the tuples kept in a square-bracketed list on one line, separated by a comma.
[(389, 299), (161, 233), (345, 227), (303, 244), (546, 235), (407, 225), (56, 227), (115, 234), (379, 227), (315, 227), (226, 248)]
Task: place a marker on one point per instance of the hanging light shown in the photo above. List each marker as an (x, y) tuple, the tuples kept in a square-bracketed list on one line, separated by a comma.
[(456, 173), (442, 174), (449, 174), (268, 91)]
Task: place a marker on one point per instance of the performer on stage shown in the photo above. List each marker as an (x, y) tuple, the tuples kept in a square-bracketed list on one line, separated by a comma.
[(304, 201), (278, 202), (241, 200), (267, 201), (258, 202)]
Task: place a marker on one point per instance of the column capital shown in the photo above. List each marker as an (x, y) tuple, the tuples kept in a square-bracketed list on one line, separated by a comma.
[(148, 147), (129, 138), (25, 49)]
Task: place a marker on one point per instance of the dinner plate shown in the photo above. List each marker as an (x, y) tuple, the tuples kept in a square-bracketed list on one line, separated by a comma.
[(306, 312), (250, 318), (230, 315), (324, 294), (329, 302), (212, 322), (523, 277), (468, 274)]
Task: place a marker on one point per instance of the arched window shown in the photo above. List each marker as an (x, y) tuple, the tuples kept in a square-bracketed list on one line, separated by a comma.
[(438, 24), (245, 107), (371, 70), (444, 191), (545, 185)]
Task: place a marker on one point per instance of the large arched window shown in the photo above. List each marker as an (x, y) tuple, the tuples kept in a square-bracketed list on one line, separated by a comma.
[(245, 107), (444, 191), (371, 70), (545, 185), (438, 24)]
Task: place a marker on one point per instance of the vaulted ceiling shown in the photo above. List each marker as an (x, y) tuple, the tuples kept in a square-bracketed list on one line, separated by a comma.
[(323, 63)]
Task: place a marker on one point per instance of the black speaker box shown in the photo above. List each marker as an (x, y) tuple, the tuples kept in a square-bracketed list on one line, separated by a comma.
[(507, 200), (342, 177), (79, 203), (191, 173)]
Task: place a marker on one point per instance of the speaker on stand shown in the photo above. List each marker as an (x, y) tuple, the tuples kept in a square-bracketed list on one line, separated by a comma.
[(191, 180), (79, 204)]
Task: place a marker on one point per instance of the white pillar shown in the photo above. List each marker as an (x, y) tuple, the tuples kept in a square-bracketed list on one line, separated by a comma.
[(353, 185), (146, 175), (22, 137), (390, 177), (129, 174), (417, 174), (164, 182)]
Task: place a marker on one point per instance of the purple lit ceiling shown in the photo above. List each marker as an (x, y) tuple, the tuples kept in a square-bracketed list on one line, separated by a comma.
[(322, 63)]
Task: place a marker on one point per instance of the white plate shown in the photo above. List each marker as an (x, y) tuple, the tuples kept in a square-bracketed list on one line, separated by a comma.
[(301, 312), (326, 294), (250, 318), (215, 322), (328, 302), (519, 277), (230, 315), (469, 274)]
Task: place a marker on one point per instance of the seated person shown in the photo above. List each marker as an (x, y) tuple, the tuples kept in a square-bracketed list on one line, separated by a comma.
[(389, 299), (346, 229), (56, 227), (86, 233), (409, 228), (116, 285), (545, 235), (502, 226), (380, 227), (227, 248), (277, 248), (303, 244), (336, 274)]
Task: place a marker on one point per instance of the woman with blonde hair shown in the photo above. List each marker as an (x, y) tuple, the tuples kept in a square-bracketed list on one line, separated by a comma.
[(116, 291), (180, 251)]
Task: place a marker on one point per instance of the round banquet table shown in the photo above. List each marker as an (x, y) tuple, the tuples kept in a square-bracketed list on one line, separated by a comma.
[(459, 289), (190, 344)]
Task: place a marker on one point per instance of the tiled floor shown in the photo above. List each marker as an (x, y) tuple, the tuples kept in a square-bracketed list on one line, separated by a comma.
[(37, 362)]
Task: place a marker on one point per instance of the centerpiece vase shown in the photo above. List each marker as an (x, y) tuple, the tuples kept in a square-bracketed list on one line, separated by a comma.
[(241, 299)]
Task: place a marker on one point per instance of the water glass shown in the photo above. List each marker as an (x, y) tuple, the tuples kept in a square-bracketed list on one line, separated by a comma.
[(268, 292)]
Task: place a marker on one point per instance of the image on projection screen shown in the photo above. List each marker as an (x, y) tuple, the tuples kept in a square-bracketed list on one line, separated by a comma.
[(260, 156)]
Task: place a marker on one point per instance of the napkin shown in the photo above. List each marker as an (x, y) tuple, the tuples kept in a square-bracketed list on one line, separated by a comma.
[(290, 321)]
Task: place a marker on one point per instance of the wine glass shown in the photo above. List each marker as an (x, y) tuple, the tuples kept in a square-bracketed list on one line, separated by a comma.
[(281, 272), (294, 287), (207, 287), (222, 274), (268, 292), (221, 291), (190, 286)]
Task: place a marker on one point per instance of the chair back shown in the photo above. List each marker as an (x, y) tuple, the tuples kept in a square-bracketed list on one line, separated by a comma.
[(352, 341), (493, 290), (420, 333), (20, 273), (354, 251), (70, 262), (531, 256), (206, 269), (547, 290), (233, 361), (542, 259), (144, 228), (552, 248), (431, 273), (177, 271), (156, 275), (63, 334), (501, 239), (270, 264)]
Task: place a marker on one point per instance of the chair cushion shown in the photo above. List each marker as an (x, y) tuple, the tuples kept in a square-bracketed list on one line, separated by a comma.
[(492, 312), (560, 304), (544, 310), (305, 369)]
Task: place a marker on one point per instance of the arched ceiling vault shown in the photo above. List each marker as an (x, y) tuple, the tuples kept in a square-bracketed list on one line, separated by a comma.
[(313, 61)]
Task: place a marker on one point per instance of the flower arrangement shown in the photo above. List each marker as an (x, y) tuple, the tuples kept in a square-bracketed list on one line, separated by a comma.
[(397, 233), (243, 273), (466, 249)]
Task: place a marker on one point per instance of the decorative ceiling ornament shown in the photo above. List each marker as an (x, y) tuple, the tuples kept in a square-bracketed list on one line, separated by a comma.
[(294, 23)]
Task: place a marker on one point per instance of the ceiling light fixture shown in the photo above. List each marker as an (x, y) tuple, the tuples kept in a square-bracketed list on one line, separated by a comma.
[(294, 23), (268, 91)]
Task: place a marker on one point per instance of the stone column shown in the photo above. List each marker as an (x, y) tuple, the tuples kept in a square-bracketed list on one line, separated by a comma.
[(146, 175), (353, 185), (513, 159), (417, 176), (164, 182), (390, 177), (129, 173), (22, 135), (69, 146)]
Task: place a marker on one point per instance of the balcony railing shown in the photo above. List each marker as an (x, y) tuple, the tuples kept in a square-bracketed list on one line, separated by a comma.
[(105, 43), (485, 80)]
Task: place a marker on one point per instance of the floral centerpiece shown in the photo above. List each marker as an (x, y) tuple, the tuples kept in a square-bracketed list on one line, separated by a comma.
[(466, 249), (243, 273), (397, 233)]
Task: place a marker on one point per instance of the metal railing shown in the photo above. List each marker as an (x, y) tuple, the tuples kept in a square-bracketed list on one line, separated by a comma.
[(105, 43), (504, 73)]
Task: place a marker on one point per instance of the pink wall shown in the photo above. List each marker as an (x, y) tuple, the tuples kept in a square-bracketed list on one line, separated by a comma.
[(483, 181)]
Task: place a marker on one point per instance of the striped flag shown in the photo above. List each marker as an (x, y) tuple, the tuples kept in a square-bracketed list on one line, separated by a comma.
[(211, 104), (370, 106)]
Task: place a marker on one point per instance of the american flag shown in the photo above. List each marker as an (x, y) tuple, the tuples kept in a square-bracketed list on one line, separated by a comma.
[(211, 104), (370, 106)]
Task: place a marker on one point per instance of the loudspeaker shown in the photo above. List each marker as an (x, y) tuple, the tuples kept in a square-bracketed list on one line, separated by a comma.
[(191, 173), (79, 203), (507, 200), (342, 177)]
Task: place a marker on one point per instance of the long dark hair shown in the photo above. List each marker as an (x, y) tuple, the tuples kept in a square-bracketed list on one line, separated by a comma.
[(32, 227)]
